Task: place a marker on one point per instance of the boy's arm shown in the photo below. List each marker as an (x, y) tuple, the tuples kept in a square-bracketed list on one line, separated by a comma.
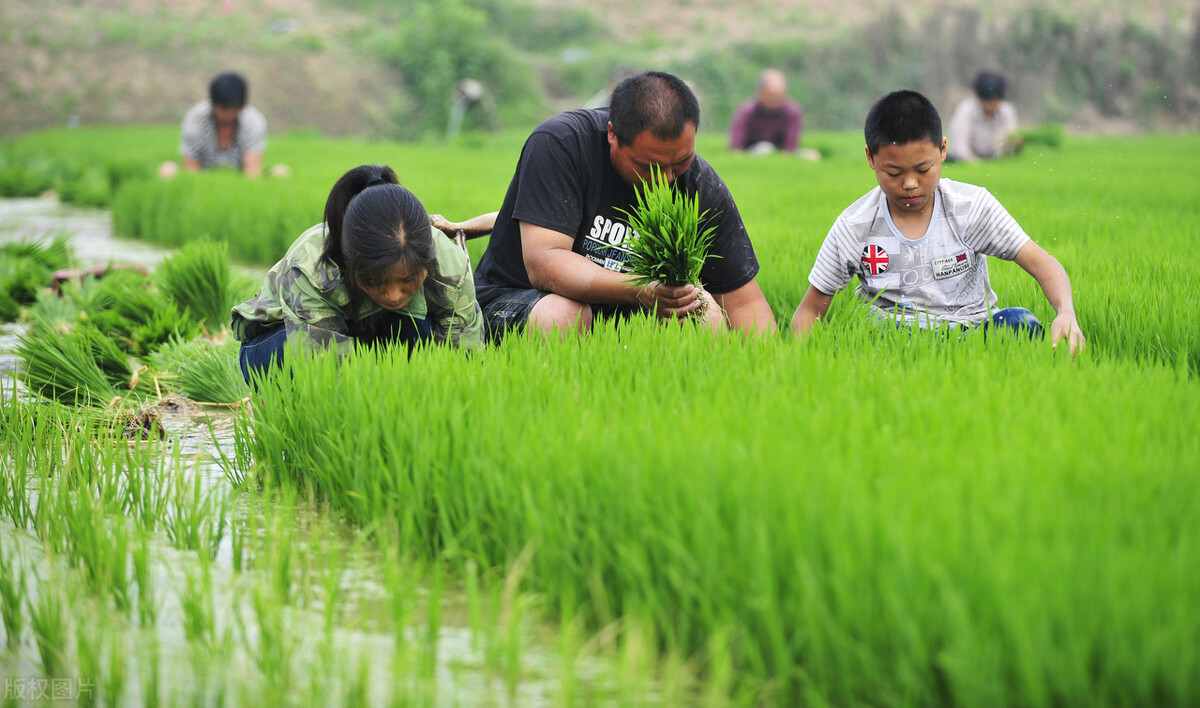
[(812, 308), (1049, 274)]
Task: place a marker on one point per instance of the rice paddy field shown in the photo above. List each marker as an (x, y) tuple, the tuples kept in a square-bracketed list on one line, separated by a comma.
[(646, 516)]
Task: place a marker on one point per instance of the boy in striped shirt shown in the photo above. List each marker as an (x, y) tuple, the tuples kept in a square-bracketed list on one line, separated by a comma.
[(919, 243)]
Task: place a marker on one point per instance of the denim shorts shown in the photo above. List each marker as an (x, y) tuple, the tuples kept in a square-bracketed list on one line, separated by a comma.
[(509, 311)]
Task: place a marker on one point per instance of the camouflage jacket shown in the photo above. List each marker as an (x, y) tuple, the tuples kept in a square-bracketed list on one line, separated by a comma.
[(308, 296)]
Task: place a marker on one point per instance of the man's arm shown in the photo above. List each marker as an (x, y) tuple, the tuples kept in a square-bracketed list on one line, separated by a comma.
[(554, 268), (1051, 276), (813, 307), (252, 163), (747, 309)]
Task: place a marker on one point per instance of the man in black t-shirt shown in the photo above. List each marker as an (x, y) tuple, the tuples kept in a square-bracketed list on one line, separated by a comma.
[(550, 264)]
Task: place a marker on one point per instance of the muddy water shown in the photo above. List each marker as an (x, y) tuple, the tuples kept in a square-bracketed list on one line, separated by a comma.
[(461, 676)]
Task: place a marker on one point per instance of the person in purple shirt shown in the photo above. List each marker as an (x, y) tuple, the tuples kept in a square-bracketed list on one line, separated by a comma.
[(770, 120)]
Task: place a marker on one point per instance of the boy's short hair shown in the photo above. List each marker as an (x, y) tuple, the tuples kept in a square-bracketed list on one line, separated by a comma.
[(902, 117), (228, 90), (989, 86)]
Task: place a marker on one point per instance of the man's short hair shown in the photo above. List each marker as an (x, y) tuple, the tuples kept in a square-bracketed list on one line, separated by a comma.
[(902, 117), (653, 100), (228, 90), (989, 86)]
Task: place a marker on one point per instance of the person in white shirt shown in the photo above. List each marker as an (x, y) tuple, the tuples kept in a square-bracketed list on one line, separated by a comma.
[(984, 126), (919, 243)]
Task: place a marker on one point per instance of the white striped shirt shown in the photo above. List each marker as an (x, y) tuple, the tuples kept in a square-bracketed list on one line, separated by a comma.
[(940, 277), (198, 137)]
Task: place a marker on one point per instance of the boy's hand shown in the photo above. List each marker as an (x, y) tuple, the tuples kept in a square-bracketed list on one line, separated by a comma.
[(1065, 326)]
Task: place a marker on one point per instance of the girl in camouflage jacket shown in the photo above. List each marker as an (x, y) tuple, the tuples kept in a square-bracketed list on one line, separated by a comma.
[(373, 272)]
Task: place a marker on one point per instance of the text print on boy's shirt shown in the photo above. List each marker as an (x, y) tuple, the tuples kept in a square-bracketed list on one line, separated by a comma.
[(604, 243)]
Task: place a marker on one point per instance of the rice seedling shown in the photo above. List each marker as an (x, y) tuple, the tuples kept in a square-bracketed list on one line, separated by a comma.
[(196, 517), (49, 620), (196, 602), (26, 268), (80, 366), (672, 239), (201, 370), (147, 601), (12, 595), (197, 279)]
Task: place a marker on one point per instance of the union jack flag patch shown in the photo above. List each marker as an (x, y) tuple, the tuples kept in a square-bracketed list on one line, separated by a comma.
[(874, 260)]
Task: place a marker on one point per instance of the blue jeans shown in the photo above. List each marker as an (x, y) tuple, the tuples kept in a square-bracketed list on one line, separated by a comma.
[(1017, 318), (258, 355)]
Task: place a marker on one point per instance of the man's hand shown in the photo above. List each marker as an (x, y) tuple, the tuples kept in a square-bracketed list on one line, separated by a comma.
[(669, 301)]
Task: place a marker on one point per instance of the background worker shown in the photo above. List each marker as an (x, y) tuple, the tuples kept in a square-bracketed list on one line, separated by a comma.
[(223, 131), (984, 126), (769, 121)]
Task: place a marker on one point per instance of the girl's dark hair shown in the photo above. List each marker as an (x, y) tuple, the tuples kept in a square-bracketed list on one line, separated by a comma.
[(653, 100), (228, 90), (902, 117), (372, 224)]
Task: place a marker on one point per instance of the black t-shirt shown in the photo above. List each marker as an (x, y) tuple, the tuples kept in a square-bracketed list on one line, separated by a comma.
[(565, 181)]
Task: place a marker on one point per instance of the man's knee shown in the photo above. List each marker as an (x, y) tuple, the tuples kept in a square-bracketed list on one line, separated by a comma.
[(555, 313)]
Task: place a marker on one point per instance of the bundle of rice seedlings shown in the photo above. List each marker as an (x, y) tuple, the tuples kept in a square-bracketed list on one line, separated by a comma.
[(121, 303), (1049, 135), (137, 316), (77, 366), (201, 370), (197, 278), (26, 268), (671, 240)]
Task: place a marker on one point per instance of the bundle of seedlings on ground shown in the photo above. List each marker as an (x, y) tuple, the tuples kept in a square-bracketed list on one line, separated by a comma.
[(123, 304), (77, 365), (197, 279), (26, 268), (201, 370), (672, 238)]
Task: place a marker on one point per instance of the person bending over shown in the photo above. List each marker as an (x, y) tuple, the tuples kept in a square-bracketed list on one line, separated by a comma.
[(374, 272)]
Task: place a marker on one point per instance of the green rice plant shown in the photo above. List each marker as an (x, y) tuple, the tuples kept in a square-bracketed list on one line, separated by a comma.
[(147, 605), (671, 237), (201, 370), (12, 595), (197, 279), (98, 546), (26, 268), (116, 678), (196, 601), (1049, 135), (79, 366), (196, 517), (49, 619), (124, 304), (817, 540)]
